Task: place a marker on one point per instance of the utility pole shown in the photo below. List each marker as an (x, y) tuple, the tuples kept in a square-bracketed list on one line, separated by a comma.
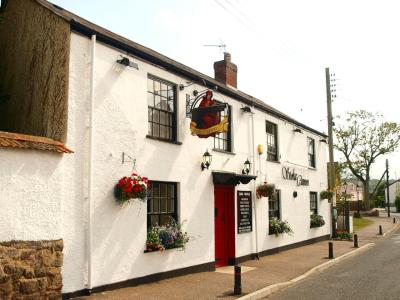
[(332, 173), (387, 187)]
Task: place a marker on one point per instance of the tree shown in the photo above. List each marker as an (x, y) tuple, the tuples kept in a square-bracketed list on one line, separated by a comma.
[(361, 138)]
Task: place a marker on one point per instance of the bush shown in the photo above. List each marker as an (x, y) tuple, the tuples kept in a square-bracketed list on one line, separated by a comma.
[(316, 221), (397, 203), (344, 236), (277, 227)]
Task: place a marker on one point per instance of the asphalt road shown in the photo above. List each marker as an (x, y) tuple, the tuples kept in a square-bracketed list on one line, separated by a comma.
[(374, 274)]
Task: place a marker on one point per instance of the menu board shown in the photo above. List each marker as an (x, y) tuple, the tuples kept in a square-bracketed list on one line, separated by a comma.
[(244, 211)]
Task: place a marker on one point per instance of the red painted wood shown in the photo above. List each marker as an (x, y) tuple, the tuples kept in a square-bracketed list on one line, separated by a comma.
[(224, 201)]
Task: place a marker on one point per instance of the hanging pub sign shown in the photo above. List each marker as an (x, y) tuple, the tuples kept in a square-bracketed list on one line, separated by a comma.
[(292, 175), (244, 211), (206, 118)]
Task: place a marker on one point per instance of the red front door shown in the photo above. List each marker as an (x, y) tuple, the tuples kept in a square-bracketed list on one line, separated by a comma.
[(224, 199)]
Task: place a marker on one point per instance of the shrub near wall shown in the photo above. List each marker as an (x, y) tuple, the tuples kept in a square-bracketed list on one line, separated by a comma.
[(31, 269)]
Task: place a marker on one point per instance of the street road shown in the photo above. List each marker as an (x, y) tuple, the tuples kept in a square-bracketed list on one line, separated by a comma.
[(374, 274)]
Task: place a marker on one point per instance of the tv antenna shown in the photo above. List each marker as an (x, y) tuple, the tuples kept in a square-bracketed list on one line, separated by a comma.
[(221, 46)]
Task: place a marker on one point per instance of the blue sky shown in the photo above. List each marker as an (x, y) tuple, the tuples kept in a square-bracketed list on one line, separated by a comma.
[(281, 48)]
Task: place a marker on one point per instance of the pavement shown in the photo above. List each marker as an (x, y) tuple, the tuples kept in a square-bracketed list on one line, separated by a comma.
[(373, 275), (273, 272)]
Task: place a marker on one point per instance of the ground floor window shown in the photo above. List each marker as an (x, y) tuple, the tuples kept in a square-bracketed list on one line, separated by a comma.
[(274, 207), (162, 203), (313, 203)]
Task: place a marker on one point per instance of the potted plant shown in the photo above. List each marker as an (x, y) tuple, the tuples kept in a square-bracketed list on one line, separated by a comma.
[(132, 187), (265, 190), (326, 195), (316, 221), (167, 236), (277, 227)]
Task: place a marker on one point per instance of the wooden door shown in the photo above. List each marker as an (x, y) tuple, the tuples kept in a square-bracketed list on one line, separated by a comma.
[(224, 200)]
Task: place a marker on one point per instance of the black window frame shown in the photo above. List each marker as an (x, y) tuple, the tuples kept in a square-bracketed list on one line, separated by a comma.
[(311, 155), (150, 198), (313, 200), (272, 141), (219, 137), (275, 213), (171, 118)]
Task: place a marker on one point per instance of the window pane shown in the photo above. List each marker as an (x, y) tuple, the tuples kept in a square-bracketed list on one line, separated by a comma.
[(157, 87), (157, 100), (154, 220), (164, 219), (150, 99), (150, 87), (163, 205), (164, 91), (163, 103)]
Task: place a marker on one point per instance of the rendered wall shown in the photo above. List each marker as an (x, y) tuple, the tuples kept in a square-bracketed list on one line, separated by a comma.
[(34, 52), (120, 125)]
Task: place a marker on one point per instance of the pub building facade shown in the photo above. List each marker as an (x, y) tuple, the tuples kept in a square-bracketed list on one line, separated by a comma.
[(141, 104)]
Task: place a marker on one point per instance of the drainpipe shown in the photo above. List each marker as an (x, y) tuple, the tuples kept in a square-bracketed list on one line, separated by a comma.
[(254, 183), (90, 167)]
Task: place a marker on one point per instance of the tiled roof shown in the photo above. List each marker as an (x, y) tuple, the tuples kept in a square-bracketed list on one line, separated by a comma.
[(17, 140)]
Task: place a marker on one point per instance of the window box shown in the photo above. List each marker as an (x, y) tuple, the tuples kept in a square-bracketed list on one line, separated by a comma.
[(316, 221), (277, 227)]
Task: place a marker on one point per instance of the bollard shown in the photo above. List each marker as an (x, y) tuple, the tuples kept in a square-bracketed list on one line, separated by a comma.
[(394, 220), (330, 250), (355, 241), (380, 230), (237, 290)]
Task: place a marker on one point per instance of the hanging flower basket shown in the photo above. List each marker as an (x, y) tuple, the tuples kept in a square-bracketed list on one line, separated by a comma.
[(326, 195), (265, 190), (132, 187)]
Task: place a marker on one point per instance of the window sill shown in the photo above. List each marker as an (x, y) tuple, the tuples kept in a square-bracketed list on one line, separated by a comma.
[(312, 168), (223, 151), (150, 251), (163, 140), (274, 161)]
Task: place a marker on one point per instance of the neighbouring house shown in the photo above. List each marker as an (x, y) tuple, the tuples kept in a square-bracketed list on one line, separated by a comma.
[(81, 107), (394, 191)]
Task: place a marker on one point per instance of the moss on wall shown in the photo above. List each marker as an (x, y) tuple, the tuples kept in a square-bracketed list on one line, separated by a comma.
[(34, 61)]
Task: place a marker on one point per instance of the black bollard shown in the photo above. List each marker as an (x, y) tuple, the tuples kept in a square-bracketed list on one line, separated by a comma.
[(237, 290), (380, 230), (394, 220), (330, 250), (355, 241)]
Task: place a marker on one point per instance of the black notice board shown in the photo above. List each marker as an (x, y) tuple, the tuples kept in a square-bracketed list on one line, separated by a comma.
[(244, 211)]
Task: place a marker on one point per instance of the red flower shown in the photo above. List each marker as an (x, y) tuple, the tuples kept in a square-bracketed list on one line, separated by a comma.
[(127, 188), (144, 178), (136, 189), (121, 182)]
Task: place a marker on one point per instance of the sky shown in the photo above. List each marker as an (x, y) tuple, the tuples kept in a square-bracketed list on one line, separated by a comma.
[(281, 48)]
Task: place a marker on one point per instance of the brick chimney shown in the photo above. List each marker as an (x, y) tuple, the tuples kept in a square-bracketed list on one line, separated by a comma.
[(225, 71)]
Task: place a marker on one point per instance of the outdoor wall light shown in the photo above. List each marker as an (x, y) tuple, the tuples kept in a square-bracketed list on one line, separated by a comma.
[(323, 141), (246, 109), (207, 158), (294, 194), (297, 130), (127, 63), (247, 167)]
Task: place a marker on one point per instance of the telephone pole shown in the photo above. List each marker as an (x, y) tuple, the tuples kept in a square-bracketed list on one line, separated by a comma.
[(332, 173), (387, 187)]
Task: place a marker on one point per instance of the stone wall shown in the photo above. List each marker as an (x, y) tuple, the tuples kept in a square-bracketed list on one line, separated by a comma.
[(31, 270)]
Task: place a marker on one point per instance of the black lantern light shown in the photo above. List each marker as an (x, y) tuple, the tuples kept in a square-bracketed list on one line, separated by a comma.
[(246, 167), (207, 158)]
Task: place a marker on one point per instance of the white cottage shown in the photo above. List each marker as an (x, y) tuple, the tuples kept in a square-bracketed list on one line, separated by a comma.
[(121, 107)]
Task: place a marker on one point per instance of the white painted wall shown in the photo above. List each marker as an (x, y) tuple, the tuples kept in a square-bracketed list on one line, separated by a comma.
[(120, 125)]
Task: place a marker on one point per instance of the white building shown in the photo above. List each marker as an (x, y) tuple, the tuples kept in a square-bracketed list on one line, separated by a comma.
[(394, 190), (111, 114)]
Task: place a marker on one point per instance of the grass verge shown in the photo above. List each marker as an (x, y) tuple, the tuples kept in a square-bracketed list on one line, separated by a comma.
[(359, 223)]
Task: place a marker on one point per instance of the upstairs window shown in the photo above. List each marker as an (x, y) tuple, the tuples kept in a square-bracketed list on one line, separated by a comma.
[(223, 141), (272, 141), (313, 203), (161, 203), (161, 102), (311, 152)]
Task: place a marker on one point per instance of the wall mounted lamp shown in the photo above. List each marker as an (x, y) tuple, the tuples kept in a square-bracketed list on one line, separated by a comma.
[(207, 158), (246, 167), (297, 130), (246, 109), (127, 63), (323, 141), (295, 194)]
